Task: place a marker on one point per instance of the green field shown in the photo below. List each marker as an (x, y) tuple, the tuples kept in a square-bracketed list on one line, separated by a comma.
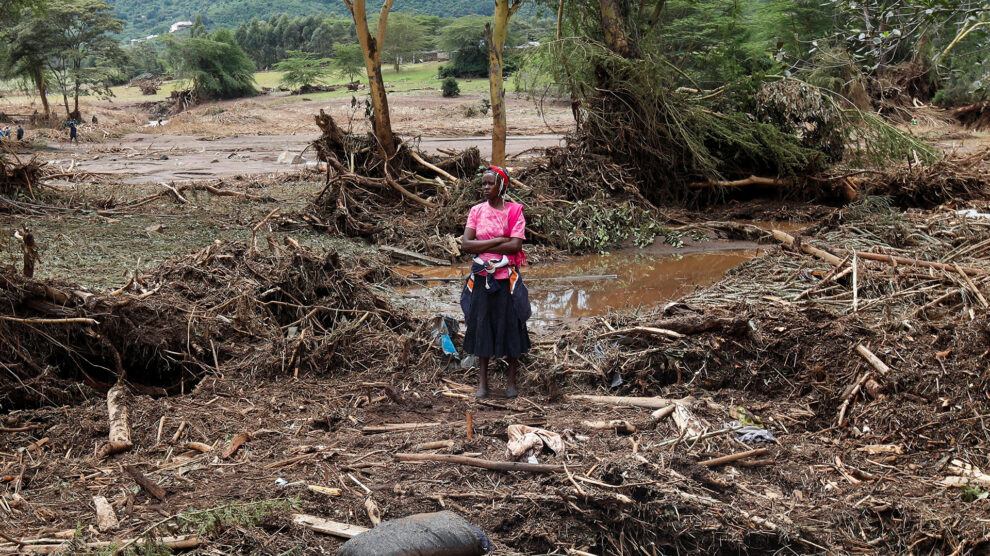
[(411, 77)]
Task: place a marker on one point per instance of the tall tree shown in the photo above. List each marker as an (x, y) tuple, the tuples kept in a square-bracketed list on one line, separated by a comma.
[(73, 38), (406, 38), (217, 67), (25, 58), (496, 48), (349, 61), (372, 49)]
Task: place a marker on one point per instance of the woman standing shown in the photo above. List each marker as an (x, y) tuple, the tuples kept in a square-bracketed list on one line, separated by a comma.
[(495, 301)]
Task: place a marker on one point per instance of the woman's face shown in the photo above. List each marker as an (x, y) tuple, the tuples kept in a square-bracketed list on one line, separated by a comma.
[(489, 190)]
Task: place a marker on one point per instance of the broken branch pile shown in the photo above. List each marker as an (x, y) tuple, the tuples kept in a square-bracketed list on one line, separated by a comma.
[(225, 309)]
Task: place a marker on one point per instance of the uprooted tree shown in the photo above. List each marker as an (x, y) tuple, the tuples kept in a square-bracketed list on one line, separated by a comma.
[(372, 47), (674, 115)]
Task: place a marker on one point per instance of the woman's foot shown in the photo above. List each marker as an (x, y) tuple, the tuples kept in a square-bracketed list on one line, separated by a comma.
[(511, 392), (481, 393)]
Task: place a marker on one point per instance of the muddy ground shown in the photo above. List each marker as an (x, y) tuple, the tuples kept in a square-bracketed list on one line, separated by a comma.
[(865, 460)]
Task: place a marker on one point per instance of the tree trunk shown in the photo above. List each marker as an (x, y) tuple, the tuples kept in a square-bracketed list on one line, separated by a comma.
[(396, 63), (65, 100), (372, 49), (43, 92), (496, 48), (616, 37)]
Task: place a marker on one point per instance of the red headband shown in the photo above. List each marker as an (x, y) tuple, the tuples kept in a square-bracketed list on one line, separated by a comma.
[(500, 172)]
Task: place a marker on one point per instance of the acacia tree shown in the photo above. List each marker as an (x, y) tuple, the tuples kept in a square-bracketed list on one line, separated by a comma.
[(26, 61), (496, 48), (372, 49), (407, 37)]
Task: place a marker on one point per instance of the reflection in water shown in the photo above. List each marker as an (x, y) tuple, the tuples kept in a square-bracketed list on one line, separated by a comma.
[(642, 280)]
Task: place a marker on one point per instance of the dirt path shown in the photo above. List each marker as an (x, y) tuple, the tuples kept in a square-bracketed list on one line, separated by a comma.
[(152, 157)]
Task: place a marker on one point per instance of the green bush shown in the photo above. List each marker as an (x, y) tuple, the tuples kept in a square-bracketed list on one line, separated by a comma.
[(450, 88)]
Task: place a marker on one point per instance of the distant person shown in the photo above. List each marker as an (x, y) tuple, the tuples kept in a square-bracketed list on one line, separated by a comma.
[(95, 121), (73, 133), (20, 132)]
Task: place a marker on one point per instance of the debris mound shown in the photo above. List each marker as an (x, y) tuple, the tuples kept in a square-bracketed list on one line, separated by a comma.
[(225, 309)]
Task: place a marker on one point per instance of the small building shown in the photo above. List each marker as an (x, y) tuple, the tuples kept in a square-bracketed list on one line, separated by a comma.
[(180, 25)]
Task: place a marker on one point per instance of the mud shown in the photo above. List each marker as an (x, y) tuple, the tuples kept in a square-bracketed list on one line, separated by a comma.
[(594, 285)]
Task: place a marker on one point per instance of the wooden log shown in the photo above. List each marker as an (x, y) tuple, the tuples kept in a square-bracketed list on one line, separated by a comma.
[(617, 425), (397, 427), (147, 484), (662, 413), (374, 513), (80, 320), (898, 260), (733, 457), (788, 240), (874, 361), (433, 445), (106, 519), (483, 463), (199, 447), (120, 429), (439, 171), (652, 402), (687, 422), (414, 255), (641, 330), (235, 444), (327, 527), (751, 180)]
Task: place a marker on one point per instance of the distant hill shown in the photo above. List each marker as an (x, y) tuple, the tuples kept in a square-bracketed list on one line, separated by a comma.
[(145, 17)]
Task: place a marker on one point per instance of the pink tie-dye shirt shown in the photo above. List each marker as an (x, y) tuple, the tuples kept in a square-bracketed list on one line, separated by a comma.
[(490, 223)]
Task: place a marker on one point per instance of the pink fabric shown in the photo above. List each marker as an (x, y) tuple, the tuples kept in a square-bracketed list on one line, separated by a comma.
[(489, 223)]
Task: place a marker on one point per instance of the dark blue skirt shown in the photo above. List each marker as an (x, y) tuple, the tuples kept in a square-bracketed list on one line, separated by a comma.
[(494, 329)]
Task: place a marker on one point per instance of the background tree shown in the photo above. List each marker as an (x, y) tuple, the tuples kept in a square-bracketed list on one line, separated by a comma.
[(144, 57), (73, 39), (302, 68), (496, 46), (27, 57), (465, 39), (216, 65), (198, 29), (406, 38), (349, 61), (371, 47)]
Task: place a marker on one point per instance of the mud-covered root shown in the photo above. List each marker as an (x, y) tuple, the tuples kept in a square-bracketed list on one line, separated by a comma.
[(974, 116)]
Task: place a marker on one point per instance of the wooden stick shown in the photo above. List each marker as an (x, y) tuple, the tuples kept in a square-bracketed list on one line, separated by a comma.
[(161, 429), (896, 260), (397, 427), (470, 425), (972, 286), (184, 542), (106, 519), (120, 429), (52, 321), (436, 169), (617, 425), (855, 284), (235, 444), (848, 398), (178, 433), (751, 180), (788, 240), (633, 401), (643, 330), (874, 361), (327, 527), (483, 463), (199, 447), (436, 445), (662, 413), (254, 230), (147, 484), (733, 457), (20, 429), (174, 192)]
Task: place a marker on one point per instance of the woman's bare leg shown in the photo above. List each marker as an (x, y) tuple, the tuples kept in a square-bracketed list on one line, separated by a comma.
[(511, 390), (482, 378)]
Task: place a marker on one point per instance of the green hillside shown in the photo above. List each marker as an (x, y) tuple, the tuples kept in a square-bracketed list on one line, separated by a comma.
[(144, 17)]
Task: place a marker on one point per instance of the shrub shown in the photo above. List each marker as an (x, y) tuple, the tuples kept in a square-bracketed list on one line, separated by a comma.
[(450, 88)]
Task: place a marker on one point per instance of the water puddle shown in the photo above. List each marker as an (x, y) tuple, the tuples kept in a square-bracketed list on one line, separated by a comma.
[(594, 284)]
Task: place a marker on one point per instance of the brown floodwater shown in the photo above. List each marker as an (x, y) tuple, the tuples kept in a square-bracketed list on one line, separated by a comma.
[(594, 284)]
